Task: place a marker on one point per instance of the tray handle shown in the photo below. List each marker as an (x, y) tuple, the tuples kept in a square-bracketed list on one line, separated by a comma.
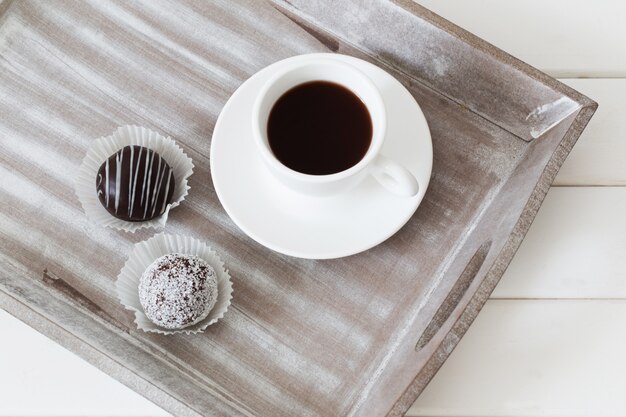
[(455, 296)]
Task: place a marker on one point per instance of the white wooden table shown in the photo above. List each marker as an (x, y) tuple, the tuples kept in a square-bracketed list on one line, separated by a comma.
[(551, 341)]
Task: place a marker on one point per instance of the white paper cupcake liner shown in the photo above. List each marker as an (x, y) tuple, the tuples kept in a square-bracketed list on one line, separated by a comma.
[(103, 148), (145, 253)]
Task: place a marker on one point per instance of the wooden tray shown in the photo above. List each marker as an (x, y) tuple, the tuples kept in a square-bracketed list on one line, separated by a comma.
[(359, 336)]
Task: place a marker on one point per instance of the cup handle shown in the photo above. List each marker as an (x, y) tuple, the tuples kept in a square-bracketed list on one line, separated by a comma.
[(394, 177)]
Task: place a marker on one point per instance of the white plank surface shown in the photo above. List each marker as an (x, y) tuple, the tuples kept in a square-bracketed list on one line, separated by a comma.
[(566, 38), (40, 378), (599, 157), (575, 248), (535, 358), (520, 357)]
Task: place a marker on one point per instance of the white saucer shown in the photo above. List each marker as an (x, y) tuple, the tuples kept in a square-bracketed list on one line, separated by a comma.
[(317, 227)]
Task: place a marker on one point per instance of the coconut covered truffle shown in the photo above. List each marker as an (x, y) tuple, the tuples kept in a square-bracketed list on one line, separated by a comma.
[(177, 291)]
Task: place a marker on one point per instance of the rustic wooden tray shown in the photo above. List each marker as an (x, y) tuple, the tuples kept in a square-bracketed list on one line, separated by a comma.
[(359, 336)]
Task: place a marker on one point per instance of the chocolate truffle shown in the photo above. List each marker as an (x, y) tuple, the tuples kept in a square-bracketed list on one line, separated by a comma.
[(135, 184), (177, 290)]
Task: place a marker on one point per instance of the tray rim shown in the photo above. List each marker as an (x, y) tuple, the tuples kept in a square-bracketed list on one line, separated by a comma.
[(500, 55), (502, 260), (499, 266)]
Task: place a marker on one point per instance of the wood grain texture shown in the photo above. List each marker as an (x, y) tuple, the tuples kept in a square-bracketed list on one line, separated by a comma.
[(303, 337), (495, 23)]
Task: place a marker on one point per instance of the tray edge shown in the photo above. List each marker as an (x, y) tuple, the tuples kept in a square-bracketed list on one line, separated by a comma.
[(500, 264)]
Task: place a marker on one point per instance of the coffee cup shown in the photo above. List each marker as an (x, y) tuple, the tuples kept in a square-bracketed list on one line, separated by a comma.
[(393, 176)]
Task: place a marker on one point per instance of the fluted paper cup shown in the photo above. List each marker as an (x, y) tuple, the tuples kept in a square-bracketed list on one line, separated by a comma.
[(145, 253), (101, 149)]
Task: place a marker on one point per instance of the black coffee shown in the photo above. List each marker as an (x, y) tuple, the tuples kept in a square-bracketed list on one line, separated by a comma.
[(319, 128)]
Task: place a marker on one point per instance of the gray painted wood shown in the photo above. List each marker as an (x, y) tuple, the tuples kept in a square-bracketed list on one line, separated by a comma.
[(303, 337)]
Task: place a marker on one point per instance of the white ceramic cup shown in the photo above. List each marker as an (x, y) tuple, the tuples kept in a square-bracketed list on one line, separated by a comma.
[(390, 174)]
